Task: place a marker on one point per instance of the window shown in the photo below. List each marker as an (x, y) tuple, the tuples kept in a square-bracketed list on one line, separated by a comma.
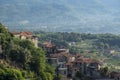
[(64, 72)]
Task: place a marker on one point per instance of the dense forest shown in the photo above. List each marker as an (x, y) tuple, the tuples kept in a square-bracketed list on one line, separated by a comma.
[(100, 40), (21, 60)]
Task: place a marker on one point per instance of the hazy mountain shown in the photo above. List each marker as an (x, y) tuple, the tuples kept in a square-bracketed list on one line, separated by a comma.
[(62, 15)]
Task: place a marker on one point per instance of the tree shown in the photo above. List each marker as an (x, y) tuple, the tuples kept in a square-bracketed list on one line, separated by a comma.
[(19, 55), (79, 75), (58, 77), (11, 74), (5, 36), (50, 70), (104, 71), (24, 55), (39, 66)]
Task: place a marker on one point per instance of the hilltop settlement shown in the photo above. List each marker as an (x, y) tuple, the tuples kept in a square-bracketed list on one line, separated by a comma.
[(70, 66), (67, 66), (76, 66)]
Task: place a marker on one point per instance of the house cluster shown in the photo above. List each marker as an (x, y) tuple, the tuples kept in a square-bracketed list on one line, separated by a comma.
[(67, 64), (26, 35)]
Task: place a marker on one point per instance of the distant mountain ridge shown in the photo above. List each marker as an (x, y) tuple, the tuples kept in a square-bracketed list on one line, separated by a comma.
[(94, 16)]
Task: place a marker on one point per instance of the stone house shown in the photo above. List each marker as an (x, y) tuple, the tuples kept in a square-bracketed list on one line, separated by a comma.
[(115, 75), (49, 47), (58, 60), (26, 35), (94, 69), (79, 64), (68, 64)]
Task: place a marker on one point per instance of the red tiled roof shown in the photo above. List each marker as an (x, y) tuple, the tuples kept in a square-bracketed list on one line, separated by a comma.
[(68, 63), (87, 60), (24, 33), (95, 61), (75, 68), (48, 44), (56, 55), (81, 59)]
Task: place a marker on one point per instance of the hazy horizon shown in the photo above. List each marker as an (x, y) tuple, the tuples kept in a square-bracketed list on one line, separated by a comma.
[(93, 16)]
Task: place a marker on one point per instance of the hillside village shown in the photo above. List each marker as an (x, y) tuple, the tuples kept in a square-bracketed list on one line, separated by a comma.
[(59, 39), (67, 64)]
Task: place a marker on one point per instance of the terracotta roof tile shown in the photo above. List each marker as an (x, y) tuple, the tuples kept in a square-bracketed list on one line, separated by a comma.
[(24, 33), (95, 61), (68, 63), (48, 44), (56, 55), (80, 60)]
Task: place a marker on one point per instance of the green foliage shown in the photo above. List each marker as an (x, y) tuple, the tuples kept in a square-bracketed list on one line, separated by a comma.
[(79, 74), (39, 66), (24, 55), (50, 69), (11, 74), (5, 36), (58, 77), (26, 44), (104, 71), (60, 39), (100, 40), (30, 58), (94, 46), (38, 61), (20, 55)]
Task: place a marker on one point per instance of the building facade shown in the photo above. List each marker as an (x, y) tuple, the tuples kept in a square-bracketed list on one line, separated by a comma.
[(26, 35)]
